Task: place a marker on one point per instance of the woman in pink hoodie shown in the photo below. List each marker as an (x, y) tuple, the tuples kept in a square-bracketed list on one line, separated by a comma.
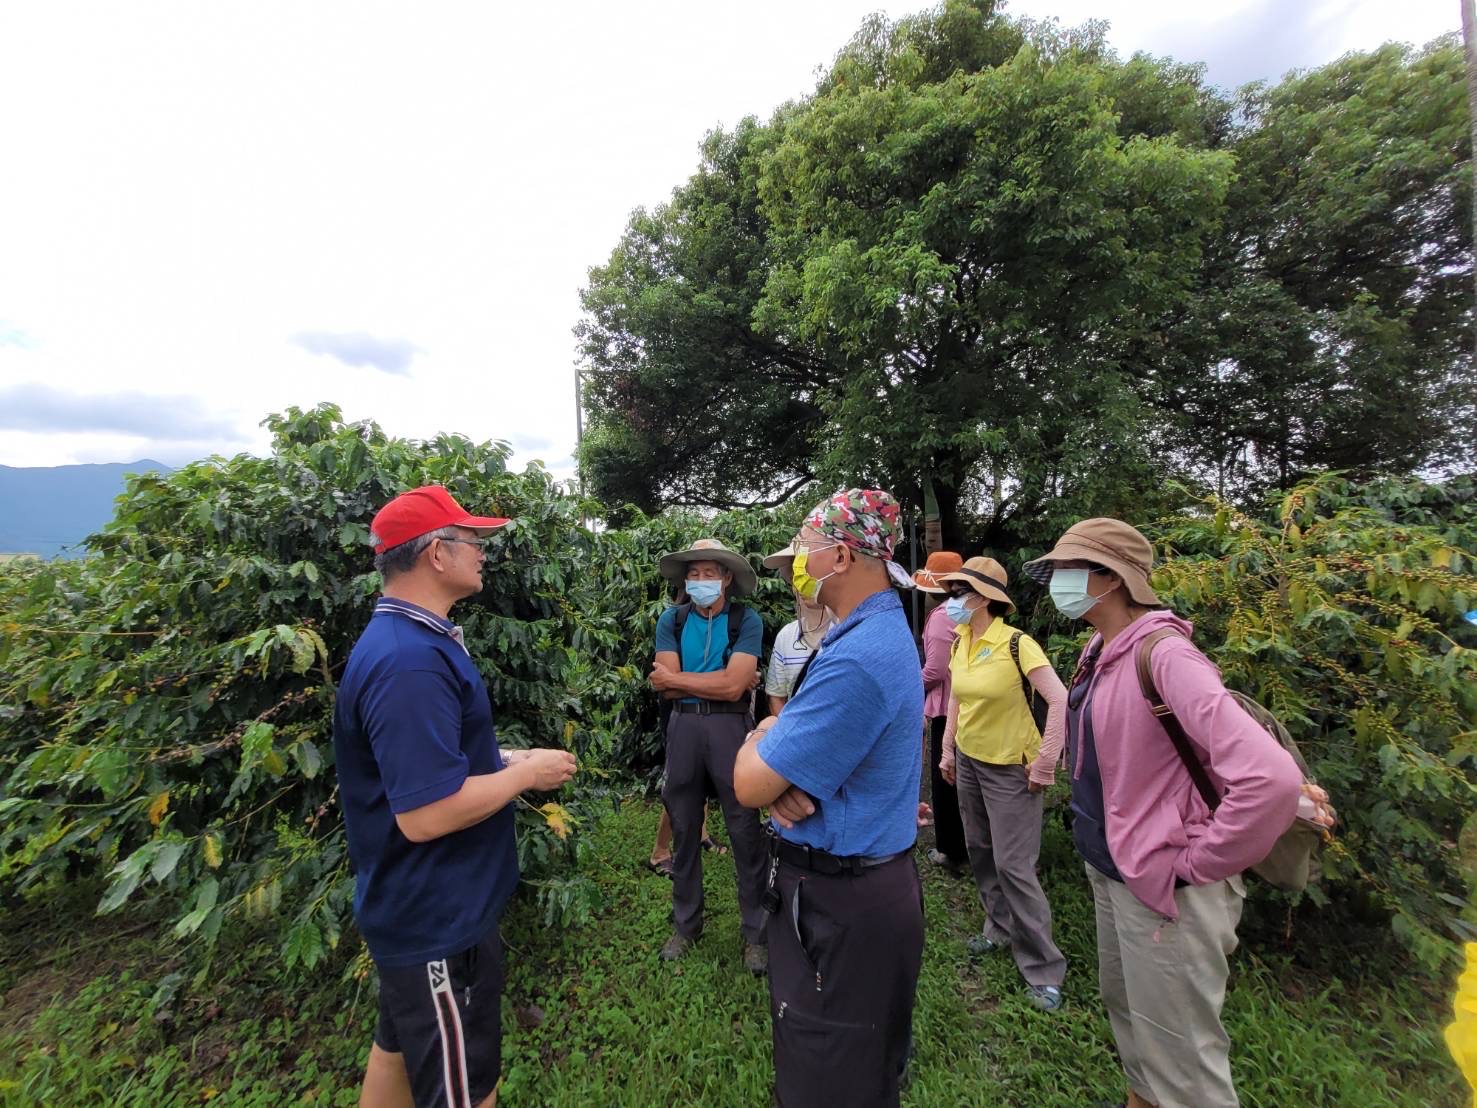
[(1165, 869)]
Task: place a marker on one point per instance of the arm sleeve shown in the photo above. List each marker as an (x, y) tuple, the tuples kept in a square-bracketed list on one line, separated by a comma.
[(825, 732), (1260, 782), (414, 723), (666, 633), (751, 634), (938, 636), (1045, 681)]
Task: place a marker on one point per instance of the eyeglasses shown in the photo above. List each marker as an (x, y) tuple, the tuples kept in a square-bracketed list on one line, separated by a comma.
[(809, 545), (480, 544)]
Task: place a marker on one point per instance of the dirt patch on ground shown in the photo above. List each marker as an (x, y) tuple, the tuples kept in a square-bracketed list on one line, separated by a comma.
[(39, 972)]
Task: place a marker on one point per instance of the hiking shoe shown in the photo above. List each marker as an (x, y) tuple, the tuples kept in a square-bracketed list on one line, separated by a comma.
[(939, 858), (1046, 997), (756, 959), (675, 948), (980, 946)]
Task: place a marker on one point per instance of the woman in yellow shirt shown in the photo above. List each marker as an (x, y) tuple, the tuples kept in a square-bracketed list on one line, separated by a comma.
[(1000, 764)]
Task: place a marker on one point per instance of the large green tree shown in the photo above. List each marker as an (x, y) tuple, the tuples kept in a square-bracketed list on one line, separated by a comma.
[(999, 269), (1333, 324)]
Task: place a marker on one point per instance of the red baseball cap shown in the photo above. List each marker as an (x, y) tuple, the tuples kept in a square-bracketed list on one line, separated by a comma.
[(413, 513)]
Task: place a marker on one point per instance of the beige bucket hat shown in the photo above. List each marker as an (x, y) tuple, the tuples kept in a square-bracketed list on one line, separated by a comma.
[(985, 576), (1110, 543), (674, 566)]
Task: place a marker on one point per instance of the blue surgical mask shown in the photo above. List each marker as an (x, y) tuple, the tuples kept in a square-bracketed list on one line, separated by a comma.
[(954, 608), (704, 593), (1069, 593)]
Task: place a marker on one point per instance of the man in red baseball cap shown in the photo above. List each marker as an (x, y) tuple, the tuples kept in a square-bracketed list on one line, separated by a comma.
[(427, 796)]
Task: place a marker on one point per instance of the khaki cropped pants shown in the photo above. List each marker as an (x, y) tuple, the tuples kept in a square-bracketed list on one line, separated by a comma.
[(1163, 983)]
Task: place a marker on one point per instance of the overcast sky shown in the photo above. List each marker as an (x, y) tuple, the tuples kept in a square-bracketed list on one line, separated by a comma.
[(209, 212)]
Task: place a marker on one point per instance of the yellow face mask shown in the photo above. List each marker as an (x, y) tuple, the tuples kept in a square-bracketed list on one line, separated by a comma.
[(807, 586)]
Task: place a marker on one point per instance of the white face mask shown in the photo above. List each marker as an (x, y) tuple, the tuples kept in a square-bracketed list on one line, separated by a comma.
[(1069, 593)]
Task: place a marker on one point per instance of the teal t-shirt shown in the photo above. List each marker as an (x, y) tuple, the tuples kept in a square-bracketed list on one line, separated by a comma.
[(704, 640)]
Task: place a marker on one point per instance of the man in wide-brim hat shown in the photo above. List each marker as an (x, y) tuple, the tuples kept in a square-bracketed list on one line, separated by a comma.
[(707, 656)]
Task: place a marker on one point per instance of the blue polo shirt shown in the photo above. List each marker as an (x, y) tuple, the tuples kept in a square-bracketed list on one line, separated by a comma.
[(412, 721), (704, 640), (852, 736)]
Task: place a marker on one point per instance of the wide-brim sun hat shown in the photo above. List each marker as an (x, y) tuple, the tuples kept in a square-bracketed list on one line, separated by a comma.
[(939, 562), (1109, 543), (985, 576), (673, 566)]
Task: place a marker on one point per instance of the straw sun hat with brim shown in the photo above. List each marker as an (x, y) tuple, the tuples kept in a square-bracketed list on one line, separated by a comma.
[(674, 566), (985, 576), (939, 563), (1109, 543)]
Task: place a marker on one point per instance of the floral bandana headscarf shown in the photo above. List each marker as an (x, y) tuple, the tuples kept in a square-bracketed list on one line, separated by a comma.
[(865, 520)]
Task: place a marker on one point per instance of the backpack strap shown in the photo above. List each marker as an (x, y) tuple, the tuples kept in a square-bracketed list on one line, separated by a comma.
[(1169, 721), (679, 620), (1015, 656), (735, 626), (800, 677)]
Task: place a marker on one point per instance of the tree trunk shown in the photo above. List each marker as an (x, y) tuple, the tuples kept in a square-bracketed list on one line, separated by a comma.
[(950, 533), (1469, 40)]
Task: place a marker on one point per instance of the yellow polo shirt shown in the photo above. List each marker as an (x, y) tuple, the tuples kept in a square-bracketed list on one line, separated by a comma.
[(995, 723)]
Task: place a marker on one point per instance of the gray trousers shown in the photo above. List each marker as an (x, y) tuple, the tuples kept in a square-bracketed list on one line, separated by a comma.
[(1002, 831), (1163, 983), (700, 748)]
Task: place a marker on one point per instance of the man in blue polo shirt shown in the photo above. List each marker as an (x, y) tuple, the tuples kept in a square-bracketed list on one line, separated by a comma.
[(707, 659), (427, 796), (846, 929)]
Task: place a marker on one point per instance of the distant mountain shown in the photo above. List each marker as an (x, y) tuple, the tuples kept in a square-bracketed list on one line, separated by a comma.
[(49, 510)]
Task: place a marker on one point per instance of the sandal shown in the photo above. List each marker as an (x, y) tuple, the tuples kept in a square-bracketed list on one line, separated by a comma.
[(715, 846), (662, 868)]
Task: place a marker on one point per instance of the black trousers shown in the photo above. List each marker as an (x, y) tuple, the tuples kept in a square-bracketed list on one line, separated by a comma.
[(948, 827), (844, 956), (701, 750)]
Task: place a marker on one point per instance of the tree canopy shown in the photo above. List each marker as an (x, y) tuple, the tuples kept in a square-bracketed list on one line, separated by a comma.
[(988, 263)]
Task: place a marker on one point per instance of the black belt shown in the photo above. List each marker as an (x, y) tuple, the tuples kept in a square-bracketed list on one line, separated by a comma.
[(712, 707), (820, 861)]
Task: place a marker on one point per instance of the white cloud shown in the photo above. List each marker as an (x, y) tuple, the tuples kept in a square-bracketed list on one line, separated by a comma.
[(189, 185)]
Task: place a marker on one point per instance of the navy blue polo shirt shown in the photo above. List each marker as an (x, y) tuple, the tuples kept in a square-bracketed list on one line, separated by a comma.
[(851, 736), (412, 721)]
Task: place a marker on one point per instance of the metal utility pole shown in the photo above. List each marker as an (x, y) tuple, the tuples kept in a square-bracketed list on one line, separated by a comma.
[(579, 441), (1469, 40)]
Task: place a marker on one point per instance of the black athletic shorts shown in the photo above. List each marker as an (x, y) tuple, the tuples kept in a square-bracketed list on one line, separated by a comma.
[(445, 1017)]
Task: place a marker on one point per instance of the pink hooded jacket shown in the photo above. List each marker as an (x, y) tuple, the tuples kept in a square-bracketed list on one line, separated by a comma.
[(1157, 826)]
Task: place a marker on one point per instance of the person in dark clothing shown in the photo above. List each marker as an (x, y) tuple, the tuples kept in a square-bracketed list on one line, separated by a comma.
[(938, 639), (427, 798), (708, 670)]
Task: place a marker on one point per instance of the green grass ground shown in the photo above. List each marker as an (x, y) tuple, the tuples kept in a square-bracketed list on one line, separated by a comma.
[(592, 1018)]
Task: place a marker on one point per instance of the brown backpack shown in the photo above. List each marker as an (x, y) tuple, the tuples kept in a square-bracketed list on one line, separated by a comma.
[(1293, 861)]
